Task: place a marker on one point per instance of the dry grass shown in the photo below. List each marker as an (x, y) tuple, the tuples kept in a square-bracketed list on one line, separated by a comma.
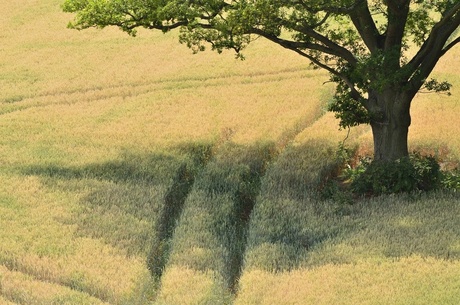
[(94, 128), (36, 241), (74, 103), (411, 280), (182, 285), (21, 288), (434, 116)]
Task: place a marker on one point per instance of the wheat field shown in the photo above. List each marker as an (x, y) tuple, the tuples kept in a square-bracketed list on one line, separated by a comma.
[(134, 172)]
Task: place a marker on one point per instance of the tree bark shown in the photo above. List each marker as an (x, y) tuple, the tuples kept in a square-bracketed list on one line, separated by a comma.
[(390, 121)]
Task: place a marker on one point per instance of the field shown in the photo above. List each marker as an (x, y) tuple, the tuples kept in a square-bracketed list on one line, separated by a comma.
[(134, 172)]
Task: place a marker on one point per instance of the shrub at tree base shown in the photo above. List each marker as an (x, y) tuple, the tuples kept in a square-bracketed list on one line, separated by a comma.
[(451, 180), (407, 174)]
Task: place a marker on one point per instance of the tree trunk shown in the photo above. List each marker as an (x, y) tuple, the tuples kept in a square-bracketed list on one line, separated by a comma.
[(390, 121)]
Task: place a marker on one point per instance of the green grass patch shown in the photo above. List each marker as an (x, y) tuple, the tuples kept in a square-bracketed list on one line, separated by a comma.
[(212, 231)]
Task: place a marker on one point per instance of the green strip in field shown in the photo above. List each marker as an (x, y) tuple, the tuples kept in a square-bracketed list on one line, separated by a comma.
[(174, 200), (287, 221), (210, 239)]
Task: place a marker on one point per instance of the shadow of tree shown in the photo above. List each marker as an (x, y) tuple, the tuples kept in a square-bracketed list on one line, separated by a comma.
[(148, 169), (213, 230), (291, 227), (427, 225), (127, 201), (237, 207)]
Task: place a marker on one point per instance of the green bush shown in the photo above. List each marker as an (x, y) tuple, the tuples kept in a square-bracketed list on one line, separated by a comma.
[(451, 180), (408, 174), (386, 177), (428, 172)]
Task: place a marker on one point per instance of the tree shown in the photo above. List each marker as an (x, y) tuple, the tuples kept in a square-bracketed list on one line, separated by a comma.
[(364, 44)]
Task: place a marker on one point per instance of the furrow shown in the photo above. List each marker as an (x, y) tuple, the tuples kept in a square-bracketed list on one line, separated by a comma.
[(91, 94)]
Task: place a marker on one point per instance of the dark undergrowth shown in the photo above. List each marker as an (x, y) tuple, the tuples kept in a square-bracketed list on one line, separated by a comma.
[(356, 177)]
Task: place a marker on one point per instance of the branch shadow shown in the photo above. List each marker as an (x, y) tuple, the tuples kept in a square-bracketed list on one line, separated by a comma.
[(291, 227), (126, 201), (272, 219)]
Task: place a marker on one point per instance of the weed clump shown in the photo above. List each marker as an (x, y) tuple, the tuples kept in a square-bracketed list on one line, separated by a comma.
[(451, 179), (362, 176), (405, 175)]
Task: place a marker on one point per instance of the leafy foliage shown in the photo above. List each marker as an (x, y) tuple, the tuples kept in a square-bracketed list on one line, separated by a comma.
[(451, 180), (434, 85), (409, 174), (360, 176), (349, 111)]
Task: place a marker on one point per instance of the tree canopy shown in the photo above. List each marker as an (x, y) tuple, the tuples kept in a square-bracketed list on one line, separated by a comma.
[(369, 47)]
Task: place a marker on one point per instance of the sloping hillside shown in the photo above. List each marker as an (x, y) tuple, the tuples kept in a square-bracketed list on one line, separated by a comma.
[(134, 172)]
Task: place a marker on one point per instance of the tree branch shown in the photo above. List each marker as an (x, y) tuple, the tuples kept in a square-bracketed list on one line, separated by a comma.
[(167, 27), (354, 93), (328, 9), (450, 45), (360, 16), (331, 45), (423, 63), (301, 45), (398, 11), (364, 23), (430, 42)]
